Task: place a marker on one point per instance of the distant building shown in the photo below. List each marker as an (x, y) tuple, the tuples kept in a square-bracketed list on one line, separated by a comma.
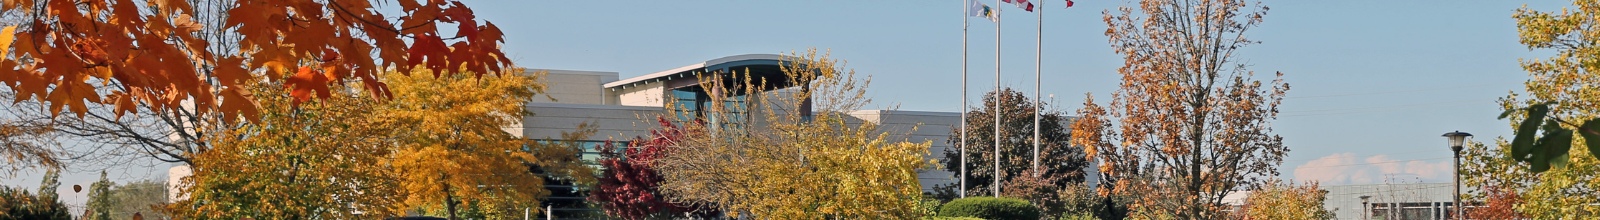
[(1402, 201), (620, 107)]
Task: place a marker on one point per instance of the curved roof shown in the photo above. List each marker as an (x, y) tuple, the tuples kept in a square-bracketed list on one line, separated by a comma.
[(707, 66)]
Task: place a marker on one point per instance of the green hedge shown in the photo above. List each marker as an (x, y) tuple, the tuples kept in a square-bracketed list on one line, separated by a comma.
[(990, 208)]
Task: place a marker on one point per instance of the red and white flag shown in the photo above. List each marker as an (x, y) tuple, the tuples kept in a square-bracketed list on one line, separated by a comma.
[(1024, 4)]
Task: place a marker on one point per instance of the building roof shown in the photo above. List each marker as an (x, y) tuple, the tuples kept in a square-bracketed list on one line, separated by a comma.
[(713, 64)]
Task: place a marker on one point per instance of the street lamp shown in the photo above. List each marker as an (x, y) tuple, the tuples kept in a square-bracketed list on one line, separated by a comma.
[(1457, 138)]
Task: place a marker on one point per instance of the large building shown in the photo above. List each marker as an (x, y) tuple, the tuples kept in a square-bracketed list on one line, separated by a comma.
[(624, 108)]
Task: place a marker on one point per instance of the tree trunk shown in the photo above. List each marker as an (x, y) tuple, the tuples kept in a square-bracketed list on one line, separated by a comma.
[(449, 203)]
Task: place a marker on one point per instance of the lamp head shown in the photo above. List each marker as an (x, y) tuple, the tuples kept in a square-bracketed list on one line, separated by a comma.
[(1457, 138)]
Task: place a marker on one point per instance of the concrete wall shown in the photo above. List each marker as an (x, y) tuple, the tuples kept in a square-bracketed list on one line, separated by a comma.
[(613, 121), (916, 127), (650, 95), (577, 87)]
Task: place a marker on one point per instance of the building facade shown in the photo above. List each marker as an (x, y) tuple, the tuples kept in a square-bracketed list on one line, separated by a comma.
[(622, 109)]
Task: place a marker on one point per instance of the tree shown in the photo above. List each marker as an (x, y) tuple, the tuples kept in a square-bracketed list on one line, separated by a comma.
[(1559, 106), (1499, 204), (26, 147), (455, 149), (185, 66), (72, 42), (629, 186), (325, 158), (142, 197), (784, 162), (1510, 188), (1189, 124), (1060, 162), (1286, 201), (100, 199), (18, 204)]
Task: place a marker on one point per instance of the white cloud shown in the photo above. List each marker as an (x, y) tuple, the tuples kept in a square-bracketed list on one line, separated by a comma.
[(1349, 168)]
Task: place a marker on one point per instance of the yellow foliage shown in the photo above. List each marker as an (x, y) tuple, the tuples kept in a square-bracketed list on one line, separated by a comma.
[(782, 163), (1282, 201), (1568, 78)]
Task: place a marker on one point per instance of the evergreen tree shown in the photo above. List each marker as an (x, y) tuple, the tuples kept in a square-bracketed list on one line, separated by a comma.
[(99, 206)]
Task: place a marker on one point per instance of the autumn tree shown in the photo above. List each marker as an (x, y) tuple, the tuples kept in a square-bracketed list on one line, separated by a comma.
[(1276, 200), (325, 158), (629, 186), (19, 204), (1060, 162), (778, 161), (1189, 123), (188, 64), (1550, 162), (455, 150)]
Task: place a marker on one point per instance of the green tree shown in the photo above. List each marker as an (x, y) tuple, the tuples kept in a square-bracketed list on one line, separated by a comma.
[(49, 184), (141, 197), (1190, 122), (792, 164), (1060, 163), (18, 204), (100, 199)]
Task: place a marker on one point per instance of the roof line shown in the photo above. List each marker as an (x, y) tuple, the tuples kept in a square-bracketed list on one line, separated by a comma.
[(701, 65)]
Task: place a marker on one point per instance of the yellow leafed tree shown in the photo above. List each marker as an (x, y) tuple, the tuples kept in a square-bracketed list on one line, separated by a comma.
[(325, 159), (776, 161), (452, 144)]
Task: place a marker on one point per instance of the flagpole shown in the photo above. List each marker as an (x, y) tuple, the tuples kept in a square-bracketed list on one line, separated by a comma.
[(964, 10), (997, 97), (1038, 50)]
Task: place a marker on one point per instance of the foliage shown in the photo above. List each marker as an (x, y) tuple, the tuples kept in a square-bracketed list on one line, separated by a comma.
[(18, 204), (143, 197), (1559, 193), (929, 206), (326, 158), (24, 146), (796, 164), (155, 52), (1060, 162), (99, 207), (455, 150), (1041, 191), (1561, 102), (1500, 204), (628, 186), (339, 156), (1081, 199), (1189, 124), (1286, 201), (990, 208)]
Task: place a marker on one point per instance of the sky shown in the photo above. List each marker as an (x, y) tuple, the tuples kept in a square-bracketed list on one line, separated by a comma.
[(1373, 83)]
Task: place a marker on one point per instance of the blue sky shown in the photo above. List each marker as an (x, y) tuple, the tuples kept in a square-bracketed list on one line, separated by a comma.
[(1374, 83)]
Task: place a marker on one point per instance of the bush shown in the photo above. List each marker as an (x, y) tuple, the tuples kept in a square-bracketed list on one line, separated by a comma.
[(990, 208), (950, 218)]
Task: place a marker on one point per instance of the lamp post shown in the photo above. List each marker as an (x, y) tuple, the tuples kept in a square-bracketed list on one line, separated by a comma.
[(1364, 212), (1457, 138)]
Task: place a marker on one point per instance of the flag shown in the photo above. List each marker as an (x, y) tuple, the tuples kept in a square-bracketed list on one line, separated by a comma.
[(977, 9), (1024, 4), (1069, 3)]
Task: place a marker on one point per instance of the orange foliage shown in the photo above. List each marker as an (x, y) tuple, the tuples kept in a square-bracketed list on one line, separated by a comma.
[(152, 52)]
